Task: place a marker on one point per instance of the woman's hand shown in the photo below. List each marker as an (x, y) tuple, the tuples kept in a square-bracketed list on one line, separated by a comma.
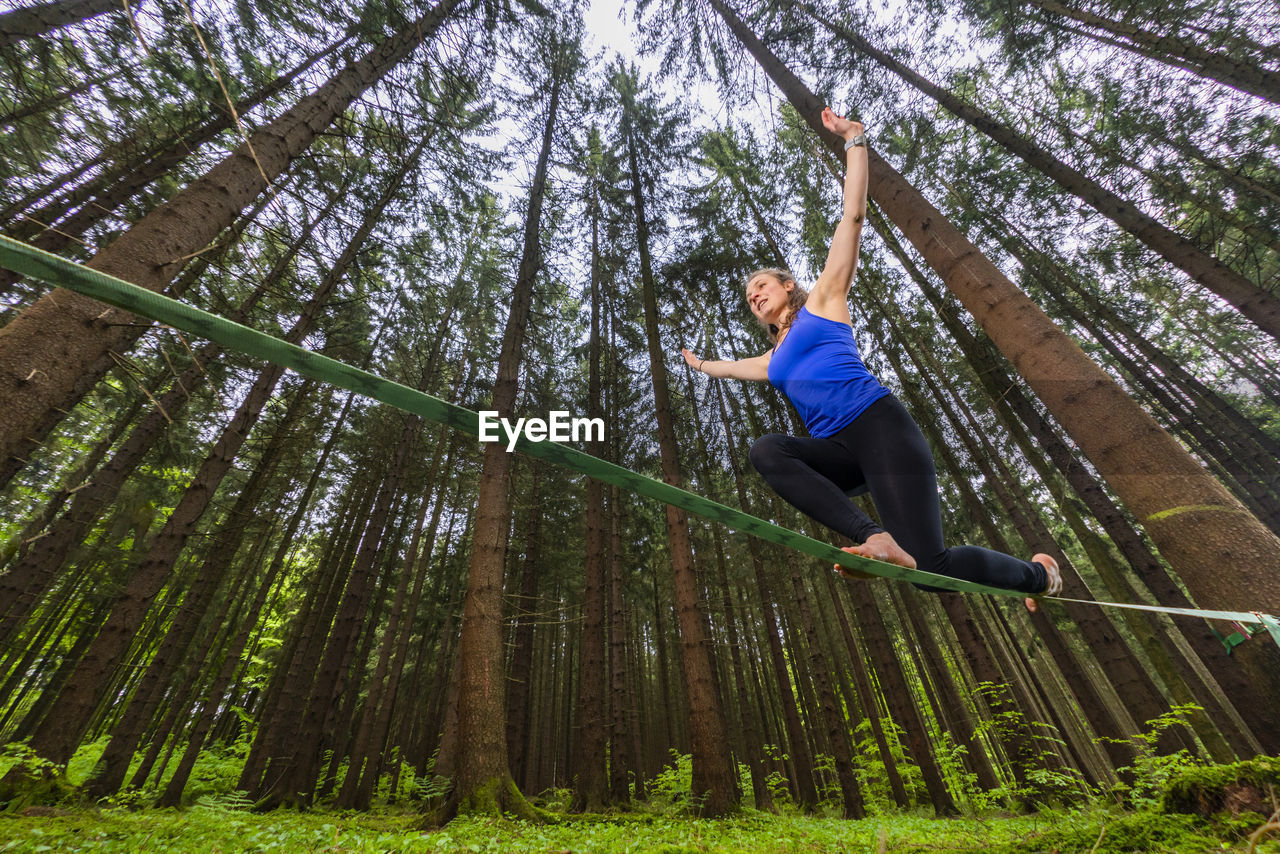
[(690, 359), (839, 125)]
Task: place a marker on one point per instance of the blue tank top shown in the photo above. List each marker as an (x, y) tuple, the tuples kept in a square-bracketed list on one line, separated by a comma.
[(818, 368)]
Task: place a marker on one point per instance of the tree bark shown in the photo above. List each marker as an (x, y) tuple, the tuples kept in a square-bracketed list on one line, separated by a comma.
[(591, 789), (714, 787), (483, 783), (34, 21)]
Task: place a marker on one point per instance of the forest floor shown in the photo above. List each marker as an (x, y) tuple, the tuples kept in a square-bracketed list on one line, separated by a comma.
[(215, 828)]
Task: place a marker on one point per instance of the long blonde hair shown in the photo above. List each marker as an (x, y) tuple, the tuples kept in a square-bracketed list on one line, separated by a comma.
[(796, 298)]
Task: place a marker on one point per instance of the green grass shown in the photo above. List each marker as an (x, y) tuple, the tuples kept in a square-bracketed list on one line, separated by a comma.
[(218, 829)]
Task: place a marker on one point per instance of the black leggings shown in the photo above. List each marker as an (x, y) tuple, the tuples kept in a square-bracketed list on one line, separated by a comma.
[(884, 450)]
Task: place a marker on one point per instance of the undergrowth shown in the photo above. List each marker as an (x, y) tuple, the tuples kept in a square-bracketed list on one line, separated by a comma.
[(221, 826), (1164, 803)]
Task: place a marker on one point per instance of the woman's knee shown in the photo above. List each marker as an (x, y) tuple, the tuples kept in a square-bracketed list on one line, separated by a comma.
[(767, 451)]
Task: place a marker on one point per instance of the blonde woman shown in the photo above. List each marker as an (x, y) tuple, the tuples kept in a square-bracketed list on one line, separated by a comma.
[(860, 435)]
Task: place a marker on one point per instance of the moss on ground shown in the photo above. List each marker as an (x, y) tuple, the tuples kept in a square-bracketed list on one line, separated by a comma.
[(1251, 786)]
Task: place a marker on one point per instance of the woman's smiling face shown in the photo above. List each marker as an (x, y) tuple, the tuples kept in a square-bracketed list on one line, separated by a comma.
[(768, 297)]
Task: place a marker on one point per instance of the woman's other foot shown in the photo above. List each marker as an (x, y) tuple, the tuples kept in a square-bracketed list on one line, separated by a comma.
[(1054, 586), (881, 547)]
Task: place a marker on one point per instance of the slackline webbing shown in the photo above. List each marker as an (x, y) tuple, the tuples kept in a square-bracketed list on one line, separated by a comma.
[(54, 270)]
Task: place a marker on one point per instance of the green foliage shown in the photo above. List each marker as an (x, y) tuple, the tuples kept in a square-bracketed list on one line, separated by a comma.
[(1146, 780), (217, 771), (950, 759), (85, 759), (877, 794), (672, 785), (29, 779), (779, 786), (1044, 780), (1112, 833), (221, 824)]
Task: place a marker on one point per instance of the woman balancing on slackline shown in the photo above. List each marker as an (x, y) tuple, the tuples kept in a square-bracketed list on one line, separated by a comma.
[(861, 434)]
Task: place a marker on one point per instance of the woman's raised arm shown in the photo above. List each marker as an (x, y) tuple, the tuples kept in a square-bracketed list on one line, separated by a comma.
[(831, 291)]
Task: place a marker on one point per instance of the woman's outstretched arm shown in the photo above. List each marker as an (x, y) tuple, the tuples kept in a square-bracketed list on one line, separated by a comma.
[(756, 368), (831, 292)]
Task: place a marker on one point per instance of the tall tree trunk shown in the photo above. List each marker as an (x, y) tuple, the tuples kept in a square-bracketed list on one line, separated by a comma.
[(294, 775), (714, 786), (522, 671), (901, 702), (990, 370), (174, 651), (286, 698), (591, 788), (802, 758), (483, 782), (752, 744), (365, 759), (867, 697), (172, 794), (60, 347), (831, 710)]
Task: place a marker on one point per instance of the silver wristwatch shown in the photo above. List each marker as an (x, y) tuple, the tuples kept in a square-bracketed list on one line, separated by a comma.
[(860, 139)]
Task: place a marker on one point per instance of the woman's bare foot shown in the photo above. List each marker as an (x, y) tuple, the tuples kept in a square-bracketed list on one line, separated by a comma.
[(881, 547), (1055, 580)]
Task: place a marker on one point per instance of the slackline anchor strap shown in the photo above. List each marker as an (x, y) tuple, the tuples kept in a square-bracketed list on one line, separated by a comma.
[(61, 272)]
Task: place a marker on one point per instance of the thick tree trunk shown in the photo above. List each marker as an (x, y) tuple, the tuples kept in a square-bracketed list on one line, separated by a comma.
[(483, 783), (43, 19), (714, 786), (60, 347), (1242, 691), (591, 788)]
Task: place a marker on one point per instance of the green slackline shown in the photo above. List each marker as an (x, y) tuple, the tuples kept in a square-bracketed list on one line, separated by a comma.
[(38, 264)]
